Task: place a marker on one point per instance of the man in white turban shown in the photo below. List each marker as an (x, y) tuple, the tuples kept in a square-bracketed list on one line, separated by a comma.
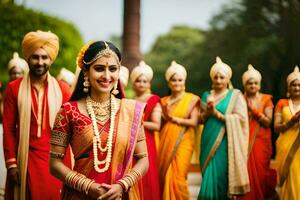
[(31, 104), (17, 67)]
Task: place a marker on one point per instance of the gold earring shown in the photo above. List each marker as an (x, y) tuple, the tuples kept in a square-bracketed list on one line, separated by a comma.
[(115, 91), (86, 84)]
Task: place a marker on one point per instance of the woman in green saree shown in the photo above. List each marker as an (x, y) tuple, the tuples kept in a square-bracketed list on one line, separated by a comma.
[(224, 141)]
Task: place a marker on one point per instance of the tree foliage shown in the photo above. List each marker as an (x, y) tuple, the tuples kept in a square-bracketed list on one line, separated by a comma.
[(16, 21), (176, 45), (262, 33)]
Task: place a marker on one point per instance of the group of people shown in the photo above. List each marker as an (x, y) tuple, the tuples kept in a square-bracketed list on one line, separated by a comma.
[(100, 145)]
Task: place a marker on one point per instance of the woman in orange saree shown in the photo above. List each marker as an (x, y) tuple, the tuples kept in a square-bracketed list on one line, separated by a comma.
[(260, 107), (141, 77), (105, 132), (286, 123), (180, 111)]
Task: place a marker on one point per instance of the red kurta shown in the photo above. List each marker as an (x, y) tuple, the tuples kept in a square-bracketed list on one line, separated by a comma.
[(40, 184)]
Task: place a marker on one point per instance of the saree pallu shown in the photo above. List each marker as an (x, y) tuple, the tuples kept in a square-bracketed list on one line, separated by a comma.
[(262, 178), (176, 148), (223, 149), (288, 155), (150, 182), (76, 128)]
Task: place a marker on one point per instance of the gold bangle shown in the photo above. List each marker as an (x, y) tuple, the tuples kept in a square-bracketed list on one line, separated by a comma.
[(12, 166), (69, 177), (138, 174), (57, 155)]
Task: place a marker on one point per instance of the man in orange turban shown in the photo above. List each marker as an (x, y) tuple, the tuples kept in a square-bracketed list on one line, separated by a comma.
[(31, 104)]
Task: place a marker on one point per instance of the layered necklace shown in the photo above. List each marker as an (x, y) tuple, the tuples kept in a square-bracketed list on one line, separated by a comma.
[(92, 107)]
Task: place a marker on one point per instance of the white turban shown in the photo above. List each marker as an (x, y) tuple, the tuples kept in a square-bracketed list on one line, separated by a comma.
[(16, 61), (124, 75), (66, 76), (251, 73), (141, 69), (220, 67), (175, 68), (295, 75)]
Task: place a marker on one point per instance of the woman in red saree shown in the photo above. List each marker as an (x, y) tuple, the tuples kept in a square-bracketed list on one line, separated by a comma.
[(141, 77), (260, 107), (105, 132)]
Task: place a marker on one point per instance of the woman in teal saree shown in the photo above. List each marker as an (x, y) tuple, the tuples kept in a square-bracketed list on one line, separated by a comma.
[(224, 140)]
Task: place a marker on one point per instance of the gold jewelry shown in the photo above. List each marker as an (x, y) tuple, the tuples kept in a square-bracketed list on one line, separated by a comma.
[(115, 91), (101, 110), (57, 155), (86, 84), (97, 140), (79, 182), (105, 52)]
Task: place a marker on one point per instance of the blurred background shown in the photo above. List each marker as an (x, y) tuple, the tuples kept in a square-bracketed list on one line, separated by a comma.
[(264, 33), (192, 32)]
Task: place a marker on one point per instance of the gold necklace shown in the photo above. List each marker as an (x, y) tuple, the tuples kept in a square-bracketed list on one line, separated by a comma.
[(101, 110), (98, 164)]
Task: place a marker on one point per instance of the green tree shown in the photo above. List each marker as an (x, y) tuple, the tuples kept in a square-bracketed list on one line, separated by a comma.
[(16, 21), (263, 33), (179, 45)]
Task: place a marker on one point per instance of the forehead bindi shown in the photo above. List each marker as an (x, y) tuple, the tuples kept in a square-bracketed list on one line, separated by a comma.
[(106, 61)]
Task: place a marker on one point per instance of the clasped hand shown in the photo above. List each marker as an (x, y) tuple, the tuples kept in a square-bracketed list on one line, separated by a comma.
[(296, 117), (210, 109), (108, 192)]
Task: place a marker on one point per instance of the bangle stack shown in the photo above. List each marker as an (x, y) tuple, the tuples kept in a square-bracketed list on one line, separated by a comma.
[(130, 179), (78, 182)]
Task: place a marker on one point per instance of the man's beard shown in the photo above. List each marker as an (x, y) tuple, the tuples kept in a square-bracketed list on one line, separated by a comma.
[(39, 70)]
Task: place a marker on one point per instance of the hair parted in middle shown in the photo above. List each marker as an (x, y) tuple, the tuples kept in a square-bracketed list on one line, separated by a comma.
[(88, 54)]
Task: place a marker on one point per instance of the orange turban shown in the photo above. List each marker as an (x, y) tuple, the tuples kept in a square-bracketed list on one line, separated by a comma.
[(40, 39)]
